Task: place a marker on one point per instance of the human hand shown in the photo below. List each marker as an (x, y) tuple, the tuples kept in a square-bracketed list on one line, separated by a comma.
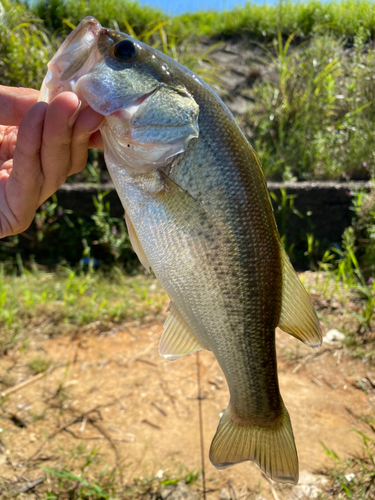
[(40, 145)]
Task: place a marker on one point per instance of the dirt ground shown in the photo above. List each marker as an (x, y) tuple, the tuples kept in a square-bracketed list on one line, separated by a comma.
[(145, 417)]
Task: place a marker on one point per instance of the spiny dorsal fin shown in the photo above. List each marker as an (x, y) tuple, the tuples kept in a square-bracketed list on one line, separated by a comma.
[(136, 244), (297, 313), (177, 339)]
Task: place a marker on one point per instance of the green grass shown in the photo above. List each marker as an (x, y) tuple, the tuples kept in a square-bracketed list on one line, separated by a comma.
[(65, 301), (353, 478), (57, 235), (39, 364), (340, 279), (349, 271), (86, 477), (107, 484), (263, 22), (60, 15), (313, 119), (252, 21), (25, 46)]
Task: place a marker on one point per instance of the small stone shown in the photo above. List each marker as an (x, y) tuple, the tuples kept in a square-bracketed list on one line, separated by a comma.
[(333, 337), (224, 494), (24, 406), (178, 491), (32, 437), (335, 304), (308, 486)]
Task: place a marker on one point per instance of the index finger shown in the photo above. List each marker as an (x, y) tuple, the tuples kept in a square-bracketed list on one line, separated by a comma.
[(14, 103)]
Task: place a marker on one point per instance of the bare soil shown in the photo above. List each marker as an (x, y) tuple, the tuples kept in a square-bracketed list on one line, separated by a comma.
[(117, 394)]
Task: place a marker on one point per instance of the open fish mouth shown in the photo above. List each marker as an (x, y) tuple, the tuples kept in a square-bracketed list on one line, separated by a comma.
[(84, 48), (71, 59)]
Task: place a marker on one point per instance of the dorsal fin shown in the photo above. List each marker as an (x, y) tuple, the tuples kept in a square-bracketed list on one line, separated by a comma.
[(177, 339), (297, 313), (136, 243)]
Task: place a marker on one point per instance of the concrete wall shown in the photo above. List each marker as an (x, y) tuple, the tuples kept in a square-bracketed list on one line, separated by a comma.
[(328, 202)]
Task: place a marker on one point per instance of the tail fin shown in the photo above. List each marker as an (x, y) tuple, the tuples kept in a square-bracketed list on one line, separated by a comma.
[(272, 448)]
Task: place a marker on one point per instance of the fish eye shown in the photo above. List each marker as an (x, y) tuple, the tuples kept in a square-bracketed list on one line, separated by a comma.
[(124, 50)]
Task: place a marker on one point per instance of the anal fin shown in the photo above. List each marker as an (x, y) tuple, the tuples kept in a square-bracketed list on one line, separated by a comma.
[(297, 317), (177, 339)]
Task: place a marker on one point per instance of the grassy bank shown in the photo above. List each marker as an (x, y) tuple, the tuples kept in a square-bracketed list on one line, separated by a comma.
[(44, 304), (253, 21)]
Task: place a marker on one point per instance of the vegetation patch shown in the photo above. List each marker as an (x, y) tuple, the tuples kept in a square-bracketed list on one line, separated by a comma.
[(44, 304)]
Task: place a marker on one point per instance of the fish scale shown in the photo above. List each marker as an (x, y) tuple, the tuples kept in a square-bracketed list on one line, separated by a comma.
[(199, 214)]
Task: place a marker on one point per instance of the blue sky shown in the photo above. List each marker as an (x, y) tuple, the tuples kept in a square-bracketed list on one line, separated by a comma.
[(180, 6)]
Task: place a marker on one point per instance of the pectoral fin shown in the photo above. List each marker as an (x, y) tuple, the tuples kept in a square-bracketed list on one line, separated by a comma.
[(177, 339), (136, 244), (297, 313)]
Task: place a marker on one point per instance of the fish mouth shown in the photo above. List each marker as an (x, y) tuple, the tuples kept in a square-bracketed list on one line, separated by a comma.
[(86, 46), (73, 55)]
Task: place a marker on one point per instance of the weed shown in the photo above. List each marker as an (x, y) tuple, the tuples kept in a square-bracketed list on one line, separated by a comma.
[(350, 267), (59, 235), (112, 233), (354, 478), (79, 486), (254, 21), (76, 480), (357, 256), (192, 476), (54, 303), (313, 120), (283, 209), (298, 240), (364, 230), (342, 264), (39, 364), (25, 46), (39, 415), (8, 380)]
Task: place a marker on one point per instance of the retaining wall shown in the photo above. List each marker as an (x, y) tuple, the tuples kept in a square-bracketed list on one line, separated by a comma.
[(328, 202)]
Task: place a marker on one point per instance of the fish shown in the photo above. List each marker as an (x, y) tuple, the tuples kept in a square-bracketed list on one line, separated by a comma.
[(199, 216)]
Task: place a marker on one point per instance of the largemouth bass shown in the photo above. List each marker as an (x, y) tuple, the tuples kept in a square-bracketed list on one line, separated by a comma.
[(199, 214)]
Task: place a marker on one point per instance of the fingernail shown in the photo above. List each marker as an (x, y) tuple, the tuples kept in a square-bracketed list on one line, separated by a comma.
[(96, 128), (73, 118)]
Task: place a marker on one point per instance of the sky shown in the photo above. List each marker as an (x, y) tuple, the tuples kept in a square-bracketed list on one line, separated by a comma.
[(179, 6)]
